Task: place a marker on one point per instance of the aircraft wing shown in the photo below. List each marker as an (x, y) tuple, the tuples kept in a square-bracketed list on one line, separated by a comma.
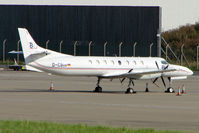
[(136, 73)]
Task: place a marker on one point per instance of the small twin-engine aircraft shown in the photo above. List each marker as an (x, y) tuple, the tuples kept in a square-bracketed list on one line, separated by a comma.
[(132, 68)]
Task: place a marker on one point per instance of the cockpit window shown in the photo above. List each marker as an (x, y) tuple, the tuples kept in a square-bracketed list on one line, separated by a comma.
[(164, 62), (119, 62)]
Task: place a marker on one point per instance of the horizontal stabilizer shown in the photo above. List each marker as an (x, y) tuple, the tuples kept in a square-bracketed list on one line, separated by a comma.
[(40, 53)]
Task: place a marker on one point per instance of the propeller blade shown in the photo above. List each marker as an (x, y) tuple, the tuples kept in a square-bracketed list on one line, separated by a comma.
[(130, 71), (169, 78), (155, 80), (122, 80), (133, 83), (166, 67), (157, 65), (157, 85), (163, 82)]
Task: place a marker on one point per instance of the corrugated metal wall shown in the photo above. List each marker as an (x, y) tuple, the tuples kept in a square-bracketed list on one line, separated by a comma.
[(83, 23)]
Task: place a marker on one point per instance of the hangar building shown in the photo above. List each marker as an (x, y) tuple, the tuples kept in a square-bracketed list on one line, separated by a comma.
[(99, 24)]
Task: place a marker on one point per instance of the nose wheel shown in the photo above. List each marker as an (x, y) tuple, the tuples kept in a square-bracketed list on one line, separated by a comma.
[(170, 89)]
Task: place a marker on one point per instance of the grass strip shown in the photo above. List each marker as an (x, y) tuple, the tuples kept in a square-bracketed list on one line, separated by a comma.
[(49, 127)]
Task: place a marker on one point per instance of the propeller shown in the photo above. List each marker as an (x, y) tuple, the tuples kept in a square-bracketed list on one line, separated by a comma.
[(161, 76)]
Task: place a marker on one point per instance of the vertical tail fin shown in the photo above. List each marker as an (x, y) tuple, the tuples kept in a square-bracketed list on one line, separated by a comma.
[(29, 46)]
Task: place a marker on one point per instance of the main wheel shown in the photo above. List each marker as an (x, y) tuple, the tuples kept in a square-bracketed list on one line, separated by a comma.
[(98, 89), (130, 91)]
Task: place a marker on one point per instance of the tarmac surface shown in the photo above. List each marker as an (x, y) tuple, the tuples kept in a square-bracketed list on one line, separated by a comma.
[(26, 96)]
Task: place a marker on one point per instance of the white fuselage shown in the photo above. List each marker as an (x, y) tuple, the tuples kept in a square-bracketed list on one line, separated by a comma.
[(53, 62), (102, 66)]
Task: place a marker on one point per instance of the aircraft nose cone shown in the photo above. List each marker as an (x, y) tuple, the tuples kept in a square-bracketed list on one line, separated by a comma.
[(190, 72), (187, 71)]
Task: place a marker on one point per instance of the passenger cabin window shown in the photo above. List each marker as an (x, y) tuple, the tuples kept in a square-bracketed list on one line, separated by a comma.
[(127, 62), (164, 62), (98, 62), (90, 61), (142, 62), (112, 62), (134, 62), (119, 62), (105, 62)]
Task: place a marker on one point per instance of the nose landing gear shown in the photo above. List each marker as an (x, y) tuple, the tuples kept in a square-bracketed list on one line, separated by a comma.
[(170, 89)]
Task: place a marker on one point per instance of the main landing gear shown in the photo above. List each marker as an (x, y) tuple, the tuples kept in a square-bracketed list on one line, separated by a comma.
[(129, 89), (98, 88)]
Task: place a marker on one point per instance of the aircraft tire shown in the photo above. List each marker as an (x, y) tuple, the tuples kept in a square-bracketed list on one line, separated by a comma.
[(170, 90), (130, 91), (98, 89)]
